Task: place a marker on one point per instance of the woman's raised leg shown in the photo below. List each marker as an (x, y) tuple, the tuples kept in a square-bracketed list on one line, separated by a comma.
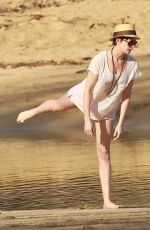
[(60, 104), (103, 140)]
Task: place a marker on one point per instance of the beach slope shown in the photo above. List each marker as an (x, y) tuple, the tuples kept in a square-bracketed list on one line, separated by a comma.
[(74, 219)]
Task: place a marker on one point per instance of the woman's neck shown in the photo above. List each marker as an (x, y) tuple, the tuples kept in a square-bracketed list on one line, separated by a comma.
[(118, 54)]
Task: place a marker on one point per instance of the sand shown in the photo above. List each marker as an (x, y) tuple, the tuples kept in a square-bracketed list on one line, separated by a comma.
[(71, 29), (76, 219)]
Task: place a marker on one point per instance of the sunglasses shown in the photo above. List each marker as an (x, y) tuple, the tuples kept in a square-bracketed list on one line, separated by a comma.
[(130, 42)]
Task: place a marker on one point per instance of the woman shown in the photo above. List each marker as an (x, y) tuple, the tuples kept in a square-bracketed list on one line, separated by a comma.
[(108, 84)]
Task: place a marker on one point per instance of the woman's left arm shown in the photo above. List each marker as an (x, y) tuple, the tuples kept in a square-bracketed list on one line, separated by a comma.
[(124, 106)]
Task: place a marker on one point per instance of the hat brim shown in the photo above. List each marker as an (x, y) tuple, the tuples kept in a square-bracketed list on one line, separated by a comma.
[(127, 36)]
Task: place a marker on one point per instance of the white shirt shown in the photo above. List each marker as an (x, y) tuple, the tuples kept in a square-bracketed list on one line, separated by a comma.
[(102, 106)]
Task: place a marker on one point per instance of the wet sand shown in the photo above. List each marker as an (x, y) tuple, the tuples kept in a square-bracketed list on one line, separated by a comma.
[(124, 218), (24, 88)]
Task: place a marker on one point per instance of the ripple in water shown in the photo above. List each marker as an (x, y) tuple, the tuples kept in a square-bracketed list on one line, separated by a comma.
[(45, 175)]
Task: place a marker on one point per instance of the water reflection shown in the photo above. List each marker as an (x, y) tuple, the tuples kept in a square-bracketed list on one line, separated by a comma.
[(44, 174)]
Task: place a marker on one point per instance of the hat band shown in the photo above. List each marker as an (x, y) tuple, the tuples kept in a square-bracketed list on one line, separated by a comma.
[(123, 33)]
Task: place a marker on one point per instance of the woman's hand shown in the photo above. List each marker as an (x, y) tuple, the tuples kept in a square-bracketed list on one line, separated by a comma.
[(88, 128), (117, 132)]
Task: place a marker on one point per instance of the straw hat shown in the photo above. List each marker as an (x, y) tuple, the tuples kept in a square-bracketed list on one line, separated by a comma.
[(124, 30)]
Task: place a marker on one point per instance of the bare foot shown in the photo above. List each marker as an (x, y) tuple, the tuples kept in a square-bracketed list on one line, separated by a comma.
[(25, 115), (111, 205)]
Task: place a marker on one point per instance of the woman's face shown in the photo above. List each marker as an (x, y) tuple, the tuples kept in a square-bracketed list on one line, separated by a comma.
[(126, 44)]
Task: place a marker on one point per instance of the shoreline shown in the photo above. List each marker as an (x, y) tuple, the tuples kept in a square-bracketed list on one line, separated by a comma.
[(76, 218), (25, 88)]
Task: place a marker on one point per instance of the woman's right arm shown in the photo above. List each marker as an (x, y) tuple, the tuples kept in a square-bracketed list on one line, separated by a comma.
[(88, 94)]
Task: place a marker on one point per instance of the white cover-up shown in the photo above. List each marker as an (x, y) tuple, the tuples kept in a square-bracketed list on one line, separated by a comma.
[(102, 106)]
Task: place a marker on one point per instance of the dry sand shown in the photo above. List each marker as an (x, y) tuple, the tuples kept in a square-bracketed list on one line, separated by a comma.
[(58, 39), (71, 29)]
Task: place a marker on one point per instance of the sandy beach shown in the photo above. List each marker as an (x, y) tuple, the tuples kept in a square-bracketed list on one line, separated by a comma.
[(76, 219), (45, 49)]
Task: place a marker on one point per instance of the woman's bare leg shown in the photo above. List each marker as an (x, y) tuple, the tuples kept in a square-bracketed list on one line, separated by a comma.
[(60, 104), (103, 139)]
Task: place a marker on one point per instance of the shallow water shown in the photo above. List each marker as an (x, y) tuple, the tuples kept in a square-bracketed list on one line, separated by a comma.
[(45, 174)]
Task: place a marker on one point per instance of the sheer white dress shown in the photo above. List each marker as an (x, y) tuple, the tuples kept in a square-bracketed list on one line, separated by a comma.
[(102, 106)]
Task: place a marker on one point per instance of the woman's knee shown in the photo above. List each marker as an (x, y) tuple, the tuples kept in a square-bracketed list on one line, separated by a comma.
[(51, 105), (103, 152), (56, 106)]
